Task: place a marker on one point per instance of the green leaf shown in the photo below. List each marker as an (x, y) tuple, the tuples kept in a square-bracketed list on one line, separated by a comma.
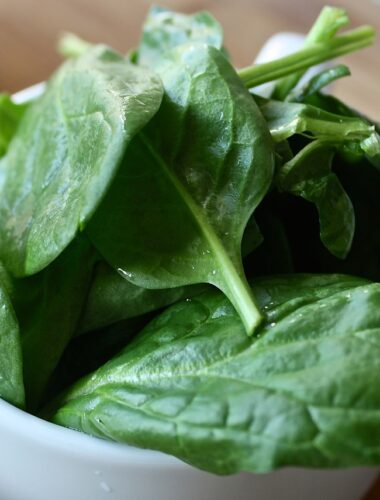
[(48, 306), (318, 82), (66, 152), (288, 118), (11, 376), (309, 175), (86, 353), (10, 117), (362, 184), (177, 211), (305, 392), (112, 298), (369, 146), (71, 45), (165, 29), (274, 255)]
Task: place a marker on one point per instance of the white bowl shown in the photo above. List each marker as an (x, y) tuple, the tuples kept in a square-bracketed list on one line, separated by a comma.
[(42, 461)]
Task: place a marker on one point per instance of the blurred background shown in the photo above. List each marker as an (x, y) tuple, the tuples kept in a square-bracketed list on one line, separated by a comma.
[(29, 30)]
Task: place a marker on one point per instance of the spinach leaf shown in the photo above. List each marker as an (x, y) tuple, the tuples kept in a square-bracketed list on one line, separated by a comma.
[(318, 82), (165, 29), (86, 353), (309, 175), (368, 147), (274, 255), (10, 117), (11, 378), (66, 152), (304, 392), (362, 184), (48, 306), (189, 183), (112, 298), (288, 118)]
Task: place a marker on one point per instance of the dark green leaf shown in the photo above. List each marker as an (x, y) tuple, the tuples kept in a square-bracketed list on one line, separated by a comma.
[(362, 183), (318, 82), (305, 392), (66, 152), (11, 377), (189, 183), (274, 255), (287, 118), (86, 353), (309, 175), (113, 298), (165, 29), (369, 146), (48, 306), (10, 117)]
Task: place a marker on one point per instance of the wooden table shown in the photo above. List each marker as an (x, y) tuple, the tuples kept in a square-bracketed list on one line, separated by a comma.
[(29, 30)]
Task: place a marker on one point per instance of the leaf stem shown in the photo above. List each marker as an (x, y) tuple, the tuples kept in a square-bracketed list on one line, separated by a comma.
[(72, 46), (329, 21), (307, 57), (233, 282)]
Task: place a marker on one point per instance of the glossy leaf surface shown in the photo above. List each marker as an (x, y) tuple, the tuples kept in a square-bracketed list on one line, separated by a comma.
[(66, 152), (113, 298), (10, 117), (11, 376), (165, 29), (305, 392), (309, 175), (288, 118), (48, 306), (189, 183)]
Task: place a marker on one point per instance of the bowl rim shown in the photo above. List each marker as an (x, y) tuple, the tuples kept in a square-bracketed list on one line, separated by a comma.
[(30, 428)]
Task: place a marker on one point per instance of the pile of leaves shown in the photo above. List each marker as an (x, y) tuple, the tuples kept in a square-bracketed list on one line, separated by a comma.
[(159, 224)]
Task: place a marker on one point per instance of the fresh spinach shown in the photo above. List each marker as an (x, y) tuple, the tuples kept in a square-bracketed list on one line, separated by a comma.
[(112, 299), (10, 117), (165, 29), (303, 392), (66, 152), (11, 378), (318, 82), (176, 176), (48, 306), (287, 118), (309, 175), (189, 183), (88, 352)]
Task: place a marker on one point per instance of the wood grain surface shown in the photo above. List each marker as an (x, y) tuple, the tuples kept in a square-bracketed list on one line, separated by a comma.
[(29, 30)]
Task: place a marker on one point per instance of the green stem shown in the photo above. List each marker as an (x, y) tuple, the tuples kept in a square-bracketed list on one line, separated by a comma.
[(307, 57), (72, 46), (329, 21)]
